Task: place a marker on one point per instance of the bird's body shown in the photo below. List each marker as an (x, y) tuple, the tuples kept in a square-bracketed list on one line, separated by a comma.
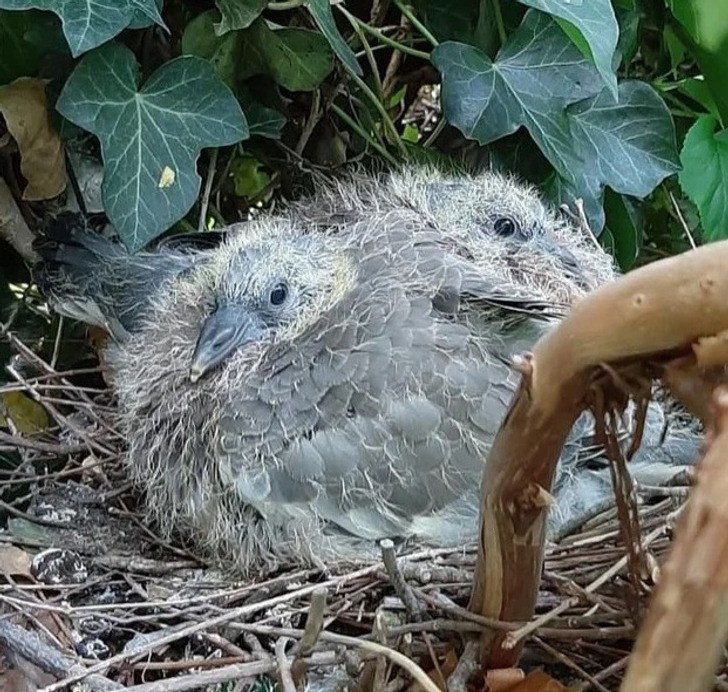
[(337, 373)]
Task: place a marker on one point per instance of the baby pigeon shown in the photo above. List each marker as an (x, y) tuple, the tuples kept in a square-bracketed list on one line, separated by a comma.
[(334, 374)]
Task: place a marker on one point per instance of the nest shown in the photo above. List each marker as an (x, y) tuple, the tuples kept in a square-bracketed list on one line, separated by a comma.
[(91, 593)]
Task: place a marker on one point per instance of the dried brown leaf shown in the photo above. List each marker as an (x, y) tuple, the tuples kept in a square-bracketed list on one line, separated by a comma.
[(24, 106), (537, 681), (14, 561)]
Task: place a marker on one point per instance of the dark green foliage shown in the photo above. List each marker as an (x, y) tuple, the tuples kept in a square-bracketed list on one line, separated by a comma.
[(603, 101)]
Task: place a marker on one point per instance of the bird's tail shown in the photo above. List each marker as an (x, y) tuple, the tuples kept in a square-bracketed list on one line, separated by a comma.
[(70, 273), (93, 279)]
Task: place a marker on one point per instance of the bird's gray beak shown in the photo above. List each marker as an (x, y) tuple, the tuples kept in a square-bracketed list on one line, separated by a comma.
[(225, 330)]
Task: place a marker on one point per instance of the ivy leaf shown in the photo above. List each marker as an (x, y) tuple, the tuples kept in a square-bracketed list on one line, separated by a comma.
[(321, 12), (263, 121), (89, 23), (150, 136), (143, 17), (238, 14), (628, 145), (535, 75), (596, 27), (298, 59), (623, 223), (223, 52), (704, 177), (452, 21), (559, 190), (19, 57), (704, 29)]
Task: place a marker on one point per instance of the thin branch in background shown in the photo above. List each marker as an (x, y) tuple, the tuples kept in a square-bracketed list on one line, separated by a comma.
[(683, 223), (313, 118), (57, 343), (205, 203), (363, 134), (407, 12), (403, 589), (381, 36), (284, 665)]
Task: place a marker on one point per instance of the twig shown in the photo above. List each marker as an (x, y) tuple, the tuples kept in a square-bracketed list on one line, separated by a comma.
[(284, 666), (466, 666), (403, 589), (205, 202), (236, 671), (226, 617), (529, 628), (32, 648), (571, 664), (313, 118), (683, 223), (314, 623)]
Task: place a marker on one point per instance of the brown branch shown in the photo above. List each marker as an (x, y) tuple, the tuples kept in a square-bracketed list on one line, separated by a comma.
[(656, 311), (29, 646), (681, 642)]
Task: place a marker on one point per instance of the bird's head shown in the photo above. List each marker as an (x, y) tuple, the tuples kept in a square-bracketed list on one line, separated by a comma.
[(267, 287), (507, 228)]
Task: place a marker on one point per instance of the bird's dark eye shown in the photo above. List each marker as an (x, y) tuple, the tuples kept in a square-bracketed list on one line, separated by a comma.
[(279, 294), (504, 226)]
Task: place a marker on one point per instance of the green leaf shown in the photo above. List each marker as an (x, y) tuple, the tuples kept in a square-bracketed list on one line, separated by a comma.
[(705, 23), (596, 23), (321, 12), (535, 75), (264, 122), (704, 177), (298, 59), (452, 21), (696, 89), (628, 18), (89, 23), (223, 52), (675, 47), (150, 136), (20, 58), (624, 227), (238, 14), (628, 145), (249, 177), (143, 17)]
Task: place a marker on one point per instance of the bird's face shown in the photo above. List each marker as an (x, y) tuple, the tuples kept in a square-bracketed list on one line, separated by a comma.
[(503, 224), (267, 289)]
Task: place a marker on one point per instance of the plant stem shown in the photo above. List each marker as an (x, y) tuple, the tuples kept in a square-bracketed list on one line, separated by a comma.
[(356, 25), (285, 5), (435, 132), (363, 134), (498, 14), (382, 38), (416, 23), (379, 106)]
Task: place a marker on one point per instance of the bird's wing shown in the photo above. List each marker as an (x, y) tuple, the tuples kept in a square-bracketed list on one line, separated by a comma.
[(93, 279), (384, 415)]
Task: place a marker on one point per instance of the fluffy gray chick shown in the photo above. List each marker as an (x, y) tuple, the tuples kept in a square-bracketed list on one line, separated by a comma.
[(313, 382), (535, 264)]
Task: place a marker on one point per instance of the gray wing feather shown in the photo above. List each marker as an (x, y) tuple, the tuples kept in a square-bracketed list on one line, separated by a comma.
[(93, 279)]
